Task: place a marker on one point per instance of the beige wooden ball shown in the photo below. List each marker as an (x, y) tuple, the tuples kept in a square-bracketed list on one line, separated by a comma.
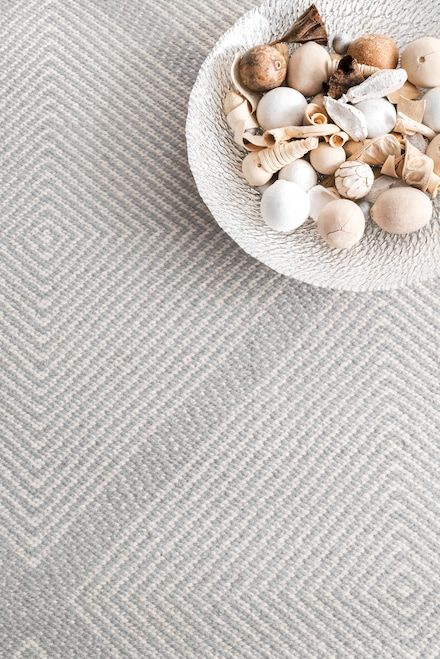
[(341, 223), (327, 159)]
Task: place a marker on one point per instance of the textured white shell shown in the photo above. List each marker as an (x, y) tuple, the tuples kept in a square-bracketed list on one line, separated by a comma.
[(380, 260)]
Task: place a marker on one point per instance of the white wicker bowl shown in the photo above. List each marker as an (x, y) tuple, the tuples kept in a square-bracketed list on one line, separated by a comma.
[(380, 261)]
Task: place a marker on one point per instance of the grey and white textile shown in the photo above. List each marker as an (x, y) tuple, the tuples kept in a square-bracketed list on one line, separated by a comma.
[(199, 458)]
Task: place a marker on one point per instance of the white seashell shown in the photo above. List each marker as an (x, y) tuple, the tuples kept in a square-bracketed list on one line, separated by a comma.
[(421, 60), (341, 42), (281, 107), (285, 206), (354, 179), (381, 184), (341, 224), (300, 172), (380, 116), (431, 117), (347, 117), (378, 85), (433, 152), (402, 210), (326, 159), (283, 154), (258, 167), (320, 197)]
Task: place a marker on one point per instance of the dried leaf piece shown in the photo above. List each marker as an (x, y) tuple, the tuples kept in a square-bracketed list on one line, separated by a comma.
[(391, 165), (412, 109), (418, 171), (377, 150), (242, 122), (408, 91), (346, 75), (308, 27), (378, 85), (408, 126), (348, 118)]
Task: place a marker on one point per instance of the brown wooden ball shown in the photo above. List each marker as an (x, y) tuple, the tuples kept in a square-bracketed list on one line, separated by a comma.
[(375, 50), (263, 68)]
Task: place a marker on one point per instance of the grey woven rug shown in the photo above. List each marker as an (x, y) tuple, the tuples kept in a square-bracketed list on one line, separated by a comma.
[(199, 458)]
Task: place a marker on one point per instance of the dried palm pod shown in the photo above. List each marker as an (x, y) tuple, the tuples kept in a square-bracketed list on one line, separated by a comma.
[(348, 74), (308, 27)]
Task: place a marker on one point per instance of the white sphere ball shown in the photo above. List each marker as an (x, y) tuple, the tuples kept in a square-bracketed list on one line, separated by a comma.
[(285, 206), (281, 107), (341, 42), (380, 115), (301, 172), (432, 112)]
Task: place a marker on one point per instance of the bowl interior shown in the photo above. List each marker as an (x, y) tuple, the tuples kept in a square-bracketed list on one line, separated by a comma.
[(380, 260)]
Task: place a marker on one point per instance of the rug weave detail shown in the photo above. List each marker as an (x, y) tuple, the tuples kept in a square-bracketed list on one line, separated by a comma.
[(199, 458)]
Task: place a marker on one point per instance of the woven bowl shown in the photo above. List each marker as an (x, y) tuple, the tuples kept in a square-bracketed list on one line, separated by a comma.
[(380, 260)]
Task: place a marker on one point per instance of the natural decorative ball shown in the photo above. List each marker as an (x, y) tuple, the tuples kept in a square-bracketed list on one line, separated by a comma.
[(308, 68), (431, 117), (341, 43), (341, 224), (402, 210), (421, 61), (281, 107), (433, 151), (326, 159), (285, 206), (380, 115), (375, 50), (354, 179), (253, 170), (301, 172), (263, 68)]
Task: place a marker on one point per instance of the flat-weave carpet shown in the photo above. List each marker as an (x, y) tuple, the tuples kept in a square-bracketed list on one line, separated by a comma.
[(199, 458)]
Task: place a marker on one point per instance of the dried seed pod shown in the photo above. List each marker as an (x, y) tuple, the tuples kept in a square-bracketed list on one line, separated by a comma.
[(375, 50), (354, 179), (378, 85), (252, 97), (347, 117), (308, 27), (263, 68), (346, 75)]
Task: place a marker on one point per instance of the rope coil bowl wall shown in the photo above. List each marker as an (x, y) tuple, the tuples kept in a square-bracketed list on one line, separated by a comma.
[(380, 261)]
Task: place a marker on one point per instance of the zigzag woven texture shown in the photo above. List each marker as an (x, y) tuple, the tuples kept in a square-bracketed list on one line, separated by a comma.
[(199, 458)]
